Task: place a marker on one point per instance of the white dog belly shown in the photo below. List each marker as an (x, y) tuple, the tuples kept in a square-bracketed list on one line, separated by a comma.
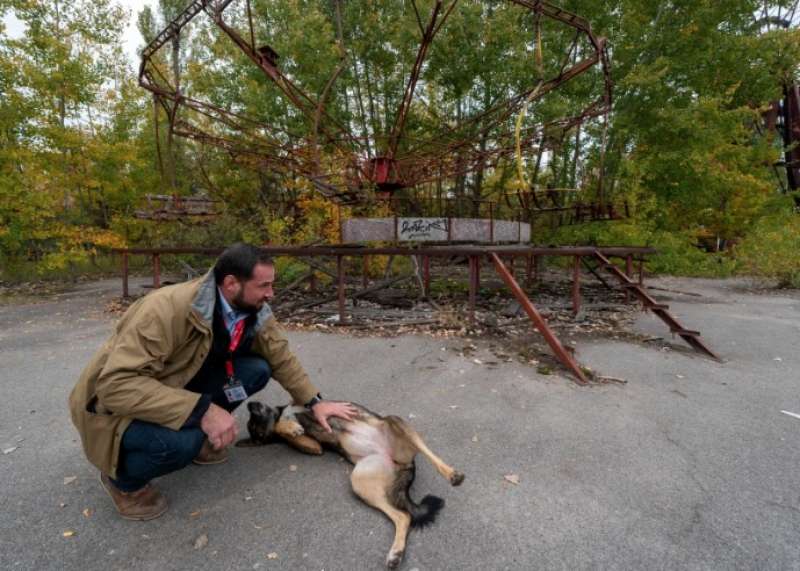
[(362, 440)]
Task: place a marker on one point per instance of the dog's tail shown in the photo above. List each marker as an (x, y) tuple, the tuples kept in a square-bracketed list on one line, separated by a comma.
[(423, 513)]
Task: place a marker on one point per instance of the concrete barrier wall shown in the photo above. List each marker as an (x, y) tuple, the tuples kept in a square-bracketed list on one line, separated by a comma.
[(480, 230)]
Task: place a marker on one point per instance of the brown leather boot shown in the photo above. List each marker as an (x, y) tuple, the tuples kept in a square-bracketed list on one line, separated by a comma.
[(208, 455), (141, 505)]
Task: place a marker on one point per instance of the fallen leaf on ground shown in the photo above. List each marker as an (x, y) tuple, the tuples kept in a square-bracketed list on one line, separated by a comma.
[(195, 513), (513, 478), (293, 468), (68, 533), (201, 542), (69, 479), (88, 512), (272, 555)]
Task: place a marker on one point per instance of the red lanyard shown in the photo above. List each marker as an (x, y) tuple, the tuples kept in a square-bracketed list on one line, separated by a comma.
[(236, 337)]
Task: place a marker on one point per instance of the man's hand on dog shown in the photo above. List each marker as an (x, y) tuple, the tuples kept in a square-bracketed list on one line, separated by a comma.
[(220, 427), (325, 409)]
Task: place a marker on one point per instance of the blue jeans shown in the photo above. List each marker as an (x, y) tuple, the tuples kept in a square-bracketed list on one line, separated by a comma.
[(150, 450)]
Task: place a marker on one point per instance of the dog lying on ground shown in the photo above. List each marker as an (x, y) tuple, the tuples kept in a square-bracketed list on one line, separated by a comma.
[(382, 449)]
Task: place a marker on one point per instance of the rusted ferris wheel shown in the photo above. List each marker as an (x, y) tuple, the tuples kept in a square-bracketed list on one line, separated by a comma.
[(350, 158)]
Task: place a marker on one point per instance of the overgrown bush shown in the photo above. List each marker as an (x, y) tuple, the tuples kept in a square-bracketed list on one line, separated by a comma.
[(772, 249)]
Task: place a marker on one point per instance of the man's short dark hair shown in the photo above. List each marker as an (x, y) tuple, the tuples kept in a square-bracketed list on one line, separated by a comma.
[(238, 261)]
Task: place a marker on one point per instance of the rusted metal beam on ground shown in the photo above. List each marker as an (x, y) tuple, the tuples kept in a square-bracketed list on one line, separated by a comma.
[(538, 321)]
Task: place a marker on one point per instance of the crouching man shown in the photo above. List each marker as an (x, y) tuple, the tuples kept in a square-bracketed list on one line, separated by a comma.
[(159, 394)]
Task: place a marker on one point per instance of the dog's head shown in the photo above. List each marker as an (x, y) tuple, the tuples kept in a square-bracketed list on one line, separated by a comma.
[(262, 421)]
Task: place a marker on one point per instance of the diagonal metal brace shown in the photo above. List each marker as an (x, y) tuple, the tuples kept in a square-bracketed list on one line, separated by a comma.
[(538, 321)]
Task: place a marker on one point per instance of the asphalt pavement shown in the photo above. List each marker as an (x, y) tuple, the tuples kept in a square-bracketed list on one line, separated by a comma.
[(689, 465)]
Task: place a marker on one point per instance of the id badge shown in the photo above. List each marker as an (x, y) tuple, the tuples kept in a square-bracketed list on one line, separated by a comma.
[(234, 391)]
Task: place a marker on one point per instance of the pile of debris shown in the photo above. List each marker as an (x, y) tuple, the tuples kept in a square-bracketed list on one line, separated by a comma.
[(396, 306)]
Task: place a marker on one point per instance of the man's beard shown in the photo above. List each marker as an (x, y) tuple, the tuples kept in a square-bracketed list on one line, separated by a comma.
[(239, 303)]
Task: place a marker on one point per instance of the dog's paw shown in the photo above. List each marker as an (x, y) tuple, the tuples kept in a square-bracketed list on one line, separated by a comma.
[(394, 559), (289, 428), (456, 479)]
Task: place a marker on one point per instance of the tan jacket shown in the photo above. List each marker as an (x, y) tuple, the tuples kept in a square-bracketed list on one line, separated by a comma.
[(158, 346)]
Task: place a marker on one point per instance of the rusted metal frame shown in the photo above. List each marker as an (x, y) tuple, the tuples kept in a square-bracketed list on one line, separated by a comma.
[(564, 76), (321, 106), (188, 131), (125, 273), (340, 290), (426, 275), (175, 26), (474, 285), (628, 273), (156, 271), (156, 88), (531, 134), (576, 285), (491, 222), (557, 13), (400, 118), (446, 150), (539, 322), (228, 117), (444, 18), (234, 121), (528, 269), (300, 99), (594, 272), (419, 18), (445, 251), (250, 25), (284, 164), (296, 95), (660, 310)]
